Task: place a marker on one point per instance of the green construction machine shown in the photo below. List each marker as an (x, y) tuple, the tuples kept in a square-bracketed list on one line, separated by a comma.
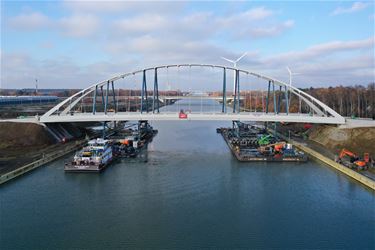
[(264, 140)]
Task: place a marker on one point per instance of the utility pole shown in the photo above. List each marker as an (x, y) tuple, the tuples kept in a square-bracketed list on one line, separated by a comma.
[(36, 86)]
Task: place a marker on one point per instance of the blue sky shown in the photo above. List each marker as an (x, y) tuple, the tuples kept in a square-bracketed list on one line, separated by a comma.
[(75, 43)]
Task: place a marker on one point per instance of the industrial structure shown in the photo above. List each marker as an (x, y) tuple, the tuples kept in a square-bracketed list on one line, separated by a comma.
[(104, 93)]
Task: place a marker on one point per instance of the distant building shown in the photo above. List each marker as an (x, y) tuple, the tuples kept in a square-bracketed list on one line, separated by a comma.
[(14, 100)]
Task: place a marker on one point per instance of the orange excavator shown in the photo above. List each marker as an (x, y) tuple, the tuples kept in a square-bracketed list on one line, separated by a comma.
[(355, 161), (270, 148)]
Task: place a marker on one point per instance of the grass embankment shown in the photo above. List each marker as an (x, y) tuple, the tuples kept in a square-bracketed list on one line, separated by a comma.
[(21, 143)]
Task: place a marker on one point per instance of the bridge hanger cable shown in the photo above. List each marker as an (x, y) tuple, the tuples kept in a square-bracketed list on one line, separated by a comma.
[(256, 101), (168, 88), (299, 108), (211, 77), (263, 100), (249, 91), (178, 87), (190, 84), (201, 100), (129, 94), (218, 106), (118, 99)]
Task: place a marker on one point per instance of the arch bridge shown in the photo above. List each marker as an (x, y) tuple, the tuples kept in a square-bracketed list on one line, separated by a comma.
[(100, 101)]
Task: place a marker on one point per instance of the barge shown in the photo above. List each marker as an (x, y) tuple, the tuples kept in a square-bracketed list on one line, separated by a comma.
[(129, 143), (92, 158), (253, 145), (123, 143)]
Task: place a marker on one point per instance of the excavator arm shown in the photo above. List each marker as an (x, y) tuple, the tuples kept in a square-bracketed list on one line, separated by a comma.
[(346, 152)]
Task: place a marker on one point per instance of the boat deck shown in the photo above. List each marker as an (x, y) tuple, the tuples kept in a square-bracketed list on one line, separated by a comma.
[(84, 168)]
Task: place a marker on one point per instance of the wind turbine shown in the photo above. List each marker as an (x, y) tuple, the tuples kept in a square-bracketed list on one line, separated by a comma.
[(234, 66), (290, 82)]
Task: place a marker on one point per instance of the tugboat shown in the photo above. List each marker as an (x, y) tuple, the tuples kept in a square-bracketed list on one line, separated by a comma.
[(92, 158), (125, 148)]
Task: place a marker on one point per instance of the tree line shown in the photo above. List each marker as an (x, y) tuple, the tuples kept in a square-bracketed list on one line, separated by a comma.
[(348, 101), (352, 101)]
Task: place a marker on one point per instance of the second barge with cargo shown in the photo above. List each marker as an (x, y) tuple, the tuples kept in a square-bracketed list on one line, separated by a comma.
[(253, 144)]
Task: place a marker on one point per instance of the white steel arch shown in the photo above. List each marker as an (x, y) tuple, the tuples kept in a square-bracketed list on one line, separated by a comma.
[(324, 114)]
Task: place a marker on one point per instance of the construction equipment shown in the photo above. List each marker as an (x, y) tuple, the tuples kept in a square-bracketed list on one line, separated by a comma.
[(264, 140), (266, 150), (272, 148), (354, 161)]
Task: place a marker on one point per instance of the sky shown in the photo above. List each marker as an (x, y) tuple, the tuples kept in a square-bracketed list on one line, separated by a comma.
[(72, 44)]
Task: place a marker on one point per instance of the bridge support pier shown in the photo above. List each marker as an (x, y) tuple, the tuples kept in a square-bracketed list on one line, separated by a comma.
[(106, 98), (286, 101), (238, 90), (94, 100), (102, 93), (224, 108), (156, 90), (114, 97), (274, 99), (144, 92), (235, 93), (268, 96), (236, 100), (279, 100)]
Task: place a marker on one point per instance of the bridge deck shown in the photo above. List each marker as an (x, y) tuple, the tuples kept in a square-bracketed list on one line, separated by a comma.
[(173, 116)]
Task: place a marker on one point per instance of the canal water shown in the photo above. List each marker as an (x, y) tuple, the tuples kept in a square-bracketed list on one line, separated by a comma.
[(191, 193)]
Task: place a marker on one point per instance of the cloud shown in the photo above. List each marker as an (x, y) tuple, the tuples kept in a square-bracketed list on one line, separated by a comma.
[(131, 38), (258, 22), (47, 45), (250, 15), (140, 24), (334, 72), (325, 49), (20, 70), (79, 25), (331, 63), (29, 22), (116, 6), (271, 31), (357, 6)]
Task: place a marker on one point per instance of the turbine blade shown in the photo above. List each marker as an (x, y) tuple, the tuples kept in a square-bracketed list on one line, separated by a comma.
[(244, 54), (226, 59), (287, 68)]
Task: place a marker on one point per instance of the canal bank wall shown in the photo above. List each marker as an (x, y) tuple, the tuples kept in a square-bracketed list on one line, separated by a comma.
[(349, 172), (47, 158)]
